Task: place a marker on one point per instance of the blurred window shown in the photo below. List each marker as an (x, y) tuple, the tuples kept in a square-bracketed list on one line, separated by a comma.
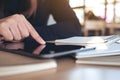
[(106, 9)]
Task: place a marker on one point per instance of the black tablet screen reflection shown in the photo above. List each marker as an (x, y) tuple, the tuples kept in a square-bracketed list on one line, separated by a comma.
[(33, 47)]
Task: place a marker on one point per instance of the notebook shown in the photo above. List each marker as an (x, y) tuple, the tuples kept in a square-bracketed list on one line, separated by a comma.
[(106, 60), (80, 40), (12, 64), (109, 48)]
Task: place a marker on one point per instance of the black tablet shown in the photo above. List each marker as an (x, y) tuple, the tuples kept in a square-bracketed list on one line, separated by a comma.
[(32, 49)]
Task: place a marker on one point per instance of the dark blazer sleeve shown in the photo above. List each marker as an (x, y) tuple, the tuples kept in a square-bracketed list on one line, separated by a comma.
[(67, 22), (61, 10), (14, 7)]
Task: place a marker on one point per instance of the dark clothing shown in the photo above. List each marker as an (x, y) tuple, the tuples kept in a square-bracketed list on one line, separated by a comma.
[(67, 24)]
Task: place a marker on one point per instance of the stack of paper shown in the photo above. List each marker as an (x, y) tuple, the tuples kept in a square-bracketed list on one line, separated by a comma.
[(12, 64), (114, 49), (95, 46), (108, 56), (103, 46), (79, 40)]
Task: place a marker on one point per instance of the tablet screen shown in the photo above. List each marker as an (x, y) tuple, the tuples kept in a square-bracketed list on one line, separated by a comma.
[(33, 49)]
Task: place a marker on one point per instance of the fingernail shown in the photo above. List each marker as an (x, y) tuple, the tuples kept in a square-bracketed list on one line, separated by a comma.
[(43, 42)]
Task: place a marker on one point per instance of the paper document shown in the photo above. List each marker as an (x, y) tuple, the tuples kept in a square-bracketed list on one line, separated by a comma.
[(113, 49), (78, 40)]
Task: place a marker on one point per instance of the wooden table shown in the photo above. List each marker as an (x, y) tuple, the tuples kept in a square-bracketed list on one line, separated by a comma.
[(68, 70)]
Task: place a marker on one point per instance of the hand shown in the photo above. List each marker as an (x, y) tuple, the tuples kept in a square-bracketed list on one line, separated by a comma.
[(16, 27)]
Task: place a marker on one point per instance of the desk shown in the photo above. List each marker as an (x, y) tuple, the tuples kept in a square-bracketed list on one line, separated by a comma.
[(68, 70)]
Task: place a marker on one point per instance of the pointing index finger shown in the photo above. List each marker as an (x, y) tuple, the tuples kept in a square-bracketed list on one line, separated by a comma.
[(33, 32), (35, 35)]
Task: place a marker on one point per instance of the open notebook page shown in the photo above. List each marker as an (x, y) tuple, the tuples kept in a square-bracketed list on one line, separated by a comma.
[(79, 40)]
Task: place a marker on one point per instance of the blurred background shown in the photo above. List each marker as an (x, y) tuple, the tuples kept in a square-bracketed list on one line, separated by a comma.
[(101, 16)]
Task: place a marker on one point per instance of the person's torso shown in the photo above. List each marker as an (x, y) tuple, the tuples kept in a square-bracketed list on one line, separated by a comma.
[(18, 6)]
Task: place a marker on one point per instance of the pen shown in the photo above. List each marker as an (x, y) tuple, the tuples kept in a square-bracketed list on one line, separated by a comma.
[(81, 50), (50, 41)]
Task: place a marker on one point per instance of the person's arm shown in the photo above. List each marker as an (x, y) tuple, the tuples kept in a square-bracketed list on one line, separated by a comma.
[(62, 11), (65, 17), (31, 11), (16, 27)]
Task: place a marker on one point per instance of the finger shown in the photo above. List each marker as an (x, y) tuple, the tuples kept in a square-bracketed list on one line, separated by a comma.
[(22, 29), (35, 35), (33, 32), (15, 32), (6, 33)]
